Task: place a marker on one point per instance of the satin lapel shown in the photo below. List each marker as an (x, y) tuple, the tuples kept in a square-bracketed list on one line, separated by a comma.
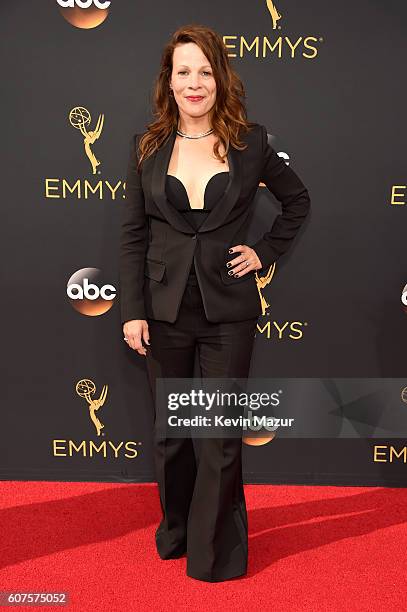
[(161, 162), (222, 208), (218, 214)]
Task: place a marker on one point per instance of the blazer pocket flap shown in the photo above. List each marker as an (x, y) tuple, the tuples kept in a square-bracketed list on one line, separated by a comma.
[(154, 269), (229, 279)]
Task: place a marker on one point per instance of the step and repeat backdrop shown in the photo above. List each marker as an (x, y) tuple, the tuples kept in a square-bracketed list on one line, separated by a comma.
[(327, 82)]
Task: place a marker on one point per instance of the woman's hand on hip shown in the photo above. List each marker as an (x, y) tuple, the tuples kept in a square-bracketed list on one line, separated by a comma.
[(246, 260), (134, 332)]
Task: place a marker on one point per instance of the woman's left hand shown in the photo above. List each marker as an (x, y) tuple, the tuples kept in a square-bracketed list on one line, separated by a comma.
[(248, 261)]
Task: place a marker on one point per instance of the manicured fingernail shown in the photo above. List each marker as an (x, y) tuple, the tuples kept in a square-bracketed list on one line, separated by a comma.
[(236, 275), (230, 272), (230, 250), (228, 264)]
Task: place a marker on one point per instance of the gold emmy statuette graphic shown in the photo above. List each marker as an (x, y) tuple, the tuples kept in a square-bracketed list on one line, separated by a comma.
[(85, 388), (404, 395), (275, 15), (263, 281), (80, 118)]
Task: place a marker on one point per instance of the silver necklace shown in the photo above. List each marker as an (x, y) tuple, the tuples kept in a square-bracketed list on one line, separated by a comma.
[(196, 136)]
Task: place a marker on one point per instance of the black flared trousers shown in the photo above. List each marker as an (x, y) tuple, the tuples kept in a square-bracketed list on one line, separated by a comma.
[(201, 494)]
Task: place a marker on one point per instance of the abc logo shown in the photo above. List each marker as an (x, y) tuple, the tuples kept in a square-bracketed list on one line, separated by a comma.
[(84, 14), (88, 292), (404, 299), (83, 3)]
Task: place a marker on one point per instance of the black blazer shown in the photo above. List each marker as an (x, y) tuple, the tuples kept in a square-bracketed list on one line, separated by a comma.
[(157, 244)]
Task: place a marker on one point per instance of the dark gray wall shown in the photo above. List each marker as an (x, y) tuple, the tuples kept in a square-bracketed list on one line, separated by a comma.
[(338, 112)]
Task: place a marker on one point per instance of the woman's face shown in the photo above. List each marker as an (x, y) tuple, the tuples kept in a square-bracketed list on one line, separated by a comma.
[(192, 80)]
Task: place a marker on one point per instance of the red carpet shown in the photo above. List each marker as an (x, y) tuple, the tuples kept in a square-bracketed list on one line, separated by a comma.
[(310, 548)]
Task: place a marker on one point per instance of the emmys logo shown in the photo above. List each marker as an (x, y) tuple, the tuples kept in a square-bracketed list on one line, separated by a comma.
[(89, 294), (85, 14), (80, 119), (261, 46), (107, 449), (404, 299), (86, 388), (82, 188)]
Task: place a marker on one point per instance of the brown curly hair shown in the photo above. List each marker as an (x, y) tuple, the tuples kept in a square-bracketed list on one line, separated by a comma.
[(228, 115)]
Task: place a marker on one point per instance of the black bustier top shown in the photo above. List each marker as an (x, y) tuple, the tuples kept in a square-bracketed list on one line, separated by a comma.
[(178, 196)]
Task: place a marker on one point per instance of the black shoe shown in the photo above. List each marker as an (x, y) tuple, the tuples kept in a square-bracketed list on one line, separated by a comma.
[(173, 553), (179, 551)]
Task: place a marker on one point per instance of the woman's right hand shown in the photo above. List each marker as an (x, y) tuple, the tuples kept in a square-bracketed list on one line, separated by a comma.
[(134, 331)]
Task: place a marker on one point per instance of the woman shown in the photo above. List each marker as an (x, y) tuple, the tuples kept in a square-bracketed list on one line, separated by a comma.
[(187, 278)]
